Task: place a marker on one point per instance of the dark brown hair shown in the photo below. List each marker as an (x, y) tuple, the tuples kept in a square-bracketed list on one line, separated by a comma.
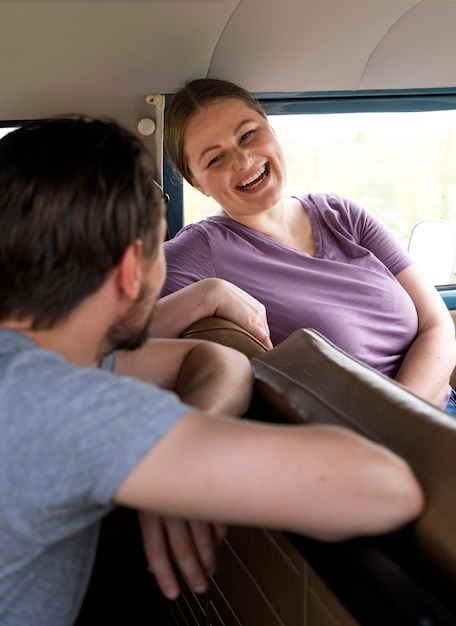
[(194, 95), (75, 192)]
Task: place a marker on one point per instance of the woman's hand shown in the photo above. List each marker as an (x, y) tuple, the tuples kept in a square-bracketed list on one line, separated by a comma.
[(211, 296)]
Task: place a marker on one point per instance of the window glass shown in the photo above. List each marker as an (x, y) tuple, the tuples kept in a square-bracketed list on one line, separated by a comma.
[(5, 130), (401, 166)]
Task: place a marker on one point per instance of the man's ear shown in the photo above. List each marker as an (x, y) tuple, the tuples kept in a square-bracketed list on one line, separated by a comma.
[(130, 270)]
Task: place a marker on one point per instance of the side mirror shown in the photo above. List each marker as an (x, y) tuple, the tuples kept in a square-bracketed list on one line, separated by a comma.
[(432, 245)]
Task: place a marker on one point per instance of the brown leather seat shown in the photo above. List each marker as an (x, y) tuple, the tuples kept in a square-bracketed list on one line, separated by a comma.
[(308, 379), (227, 333)]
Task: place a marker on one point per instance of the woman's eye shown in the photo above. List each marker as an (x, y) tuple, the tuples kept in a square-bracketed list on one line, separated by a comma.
[(247, 135), (214, 160)]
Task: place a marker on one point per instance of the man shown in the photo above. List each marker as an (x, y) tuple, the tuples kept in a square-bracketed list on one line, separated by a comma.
[(81, 264)]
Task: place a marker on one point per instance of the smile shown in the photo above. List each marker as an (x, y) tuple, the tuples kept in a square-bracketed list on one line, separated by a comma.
[(254, 180)]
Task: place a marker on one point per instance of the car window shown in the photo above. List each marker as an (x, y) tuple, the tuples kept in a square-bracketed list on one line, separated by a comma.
[(398, 165)]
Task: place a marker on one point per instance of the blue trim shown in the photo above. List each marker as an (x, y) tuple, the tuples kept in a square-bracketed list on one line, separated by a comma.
[(448, 294), (372, 93), (358, 102), (173, 186), (12, 123)]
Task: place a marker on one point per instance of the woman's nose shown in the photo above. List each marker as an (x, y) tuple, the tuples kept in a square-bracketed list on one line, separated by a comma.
[(241, 159)]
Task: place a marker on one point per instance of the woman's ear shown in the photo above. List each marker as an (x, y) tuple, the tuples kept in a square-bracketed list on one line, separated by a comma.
[(130, 270), (193, 182)]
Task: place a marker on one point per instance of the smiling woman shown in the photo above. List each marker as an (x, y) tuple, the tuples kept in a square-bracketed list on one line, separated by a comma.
[(240, 160), (315, 261)]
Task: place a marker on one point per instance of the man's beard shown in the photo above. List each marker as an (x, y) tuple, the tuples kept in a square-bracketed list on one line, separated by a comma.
[(126, 333)]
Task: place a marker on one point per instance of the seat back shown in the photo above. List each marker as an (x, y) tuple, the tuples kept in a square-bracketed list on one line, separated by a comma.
[(306, 379)]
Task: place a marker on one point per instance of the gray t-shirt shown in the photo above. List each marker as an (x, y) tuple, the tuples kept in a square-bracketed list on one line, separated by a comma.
[(68, 437)]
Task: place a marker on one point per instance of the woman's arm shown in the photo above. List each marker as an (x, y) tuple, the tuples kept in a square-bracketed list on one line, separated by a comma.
[(211, 296), (430, 360)]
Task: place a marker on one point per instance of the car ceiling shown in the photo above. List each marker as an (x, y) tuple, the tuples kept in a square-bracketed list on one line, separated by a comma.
[(104, 57)]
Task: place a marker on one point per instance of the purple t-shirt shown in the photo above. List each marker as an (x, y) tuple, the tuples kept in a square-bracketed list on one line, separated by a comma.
[(347, 291)]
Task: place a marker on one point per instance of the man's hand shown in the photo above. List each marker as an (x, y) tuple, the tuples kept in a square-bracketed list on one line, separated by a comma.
[(193, 545)]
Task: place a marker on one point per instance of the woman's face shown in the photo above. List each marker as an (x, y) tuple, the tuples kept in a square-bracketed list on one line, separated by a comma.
[(234, 156)]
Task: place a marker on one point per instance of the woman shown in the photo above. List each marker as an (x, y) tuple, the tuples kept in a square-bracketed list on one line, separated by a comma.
[(316, 261)]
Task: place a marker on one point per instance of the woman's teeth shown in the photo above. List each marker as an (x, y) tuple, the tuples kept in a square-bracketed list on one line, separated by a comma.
[(253, 181)]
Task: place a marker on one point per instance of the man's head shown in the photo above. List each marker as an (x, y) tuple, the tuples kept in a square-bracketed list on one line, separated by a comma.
[(75, 194)]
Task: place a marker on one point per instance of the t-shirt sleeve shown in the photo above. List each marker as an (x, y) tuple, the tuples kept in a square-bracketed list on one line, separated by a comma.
[(372, 234), (189, 258), (85, 430)]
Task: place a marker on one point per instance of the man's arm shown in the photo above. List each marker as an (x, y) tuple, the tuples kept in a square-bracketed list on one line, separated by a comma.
[(203, 374), (210, 377), (366, 482), (322, 481), (211, 296)]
